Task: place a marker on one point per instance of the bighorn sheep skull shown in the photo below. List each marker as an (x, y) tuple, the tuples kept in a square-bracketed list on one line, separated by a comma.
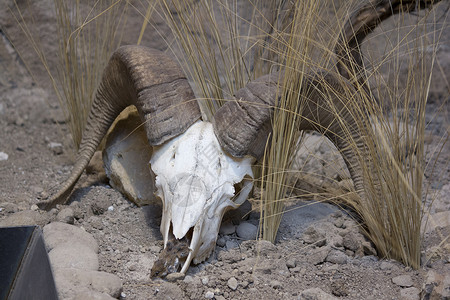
[(197, 190), (197, 183)]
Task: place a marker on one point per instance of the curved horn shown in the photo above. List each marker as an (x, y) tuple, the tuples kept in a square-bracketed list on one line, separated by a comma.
[(138, 76), (243, 126), (362, 22)]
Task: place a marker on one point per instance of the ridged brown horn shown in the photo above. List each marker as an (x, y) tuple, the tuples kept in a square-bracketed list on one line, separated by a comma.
[(362, 22), (148, 79), (243, 126)]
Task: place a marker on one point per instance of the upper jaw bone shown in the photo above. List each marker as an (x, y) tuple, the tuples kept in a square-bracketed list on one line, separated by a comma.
[(196, 181)]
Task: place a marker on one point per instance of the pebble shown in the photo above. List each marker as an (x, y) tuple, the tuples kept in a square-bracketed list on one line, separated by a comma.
[(57, 148), (232, 283), (246, 231), (227, 228), (315, 294), (172, 277), (291, 263), (337, 257), (205, 280), (231, 244), (403, 280), (3, 156), (221, 242), (410, 293), (209, 295), (314, 236), (275, 284), (66, 215), (352, 241)]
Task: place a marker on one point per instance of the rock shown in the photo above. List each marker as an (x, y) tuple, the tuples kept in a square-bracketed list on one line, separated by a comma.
[(291, 263), (315, 294), (172, 277), (227, 228), (265, 248), (318, 256), (231, 244), (3, 156), (275, 284), (410, 293), (403, 280), (25, 218), (209, 295), (57, 233), (228, 256), (247, 231), (221, 242), (436, 286), (205, 280), (337, 257), (352, 241), (70, 280), (314, 236), (232, 283), (57, 148), (74, 255), (66, 215)]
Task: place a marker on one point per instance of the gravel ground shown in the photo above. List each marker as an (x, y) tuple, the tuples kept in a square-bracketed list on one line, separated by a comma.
[(102, 246)]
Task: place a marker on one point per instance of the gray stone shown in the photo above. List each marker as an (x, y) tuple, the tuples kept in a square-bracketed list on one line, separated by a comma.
[(247, 231), (231, 244), (291, 263), (318, 256), (337, 257), (232, 283), (74, 255), (314, 236), (57, 233), (403, 280), (227, 228), (275, 284), (410, 293), (221, 242), (69, 281), (172, 277), (315, 294), (57, 148), (265, 248), (66, 215), (209, 295), (352, 241)]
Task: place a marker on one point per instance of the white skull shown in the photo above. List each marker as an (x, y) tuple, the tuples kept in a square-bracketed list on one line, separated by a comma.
[(197, 182)]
